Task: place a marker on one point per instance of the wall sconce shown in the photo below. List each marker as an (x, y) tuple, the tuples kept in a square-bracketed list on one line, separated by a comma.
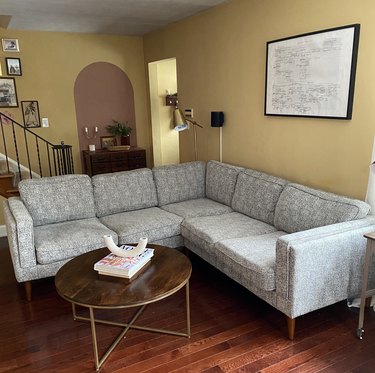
[(91, 134), (181, 124)]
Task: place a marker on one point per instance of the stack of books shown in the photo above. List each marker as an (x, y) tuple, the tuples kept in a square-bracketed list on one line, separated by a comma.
[(126, 267)]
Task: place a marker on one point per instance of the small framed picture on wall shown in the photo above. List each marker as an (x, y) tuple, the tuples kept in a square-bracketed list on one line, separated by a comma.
[(13, 66), (10, 45), (8, 93), (30, 112)]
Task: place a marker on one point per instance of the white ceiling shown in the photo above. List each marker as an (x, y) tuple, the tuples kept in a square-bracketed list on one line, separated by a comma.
[(122, 17)]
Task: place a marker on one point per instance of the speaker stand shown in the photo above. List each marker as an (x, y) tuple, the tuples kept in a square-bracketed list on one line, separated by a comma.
[(221, 144)]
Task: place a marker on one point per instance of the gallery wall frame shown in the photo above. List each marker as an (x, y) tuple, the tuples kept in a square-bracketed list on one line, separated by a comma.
[(312, 74), (10, 45), (13, 66), (8, 92), (30, 112)]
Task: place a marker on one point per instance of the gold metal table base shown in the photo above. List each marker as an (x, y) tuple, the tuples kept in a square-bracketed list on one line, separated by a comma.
[(127, 326)]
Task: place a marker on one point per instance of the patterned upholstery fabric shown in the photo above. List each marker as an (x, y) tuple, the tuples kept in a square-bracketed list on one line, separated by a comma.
[(23, 231), (321, 266), (153, 223), (180, 182), (55, 242), (311, 268), (234, 271), (221, 180), (300, 208), (197, 207), (175, 241), (206, 231), (256, 195), (254, 257), (124, 191), (58, 198)]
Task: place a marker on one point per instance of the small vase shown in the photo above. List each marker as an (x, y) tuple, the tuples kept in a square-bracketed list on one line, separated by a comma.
[(125, 140)]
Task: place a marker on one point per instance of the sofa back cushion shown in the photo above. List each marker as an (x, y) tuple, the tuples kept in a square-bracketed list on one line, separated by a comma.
[(180, 182), (58, 198), (221, 181), (256, 195), (300, 208), (124, 191)]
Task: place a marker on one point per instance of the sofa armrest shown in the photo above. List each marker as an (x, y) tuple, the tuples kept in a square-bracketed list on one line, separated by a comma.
[(20, 229), (321, 266)]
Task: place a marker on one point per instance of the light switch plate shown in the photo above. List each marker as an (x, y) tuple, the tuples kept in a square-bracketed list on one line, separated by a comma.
[(189, 113), (45, 122)]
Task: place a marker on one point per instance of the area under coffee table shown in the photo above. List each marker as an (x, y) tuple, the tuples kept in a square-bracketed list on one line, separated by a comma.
[(78, 283)]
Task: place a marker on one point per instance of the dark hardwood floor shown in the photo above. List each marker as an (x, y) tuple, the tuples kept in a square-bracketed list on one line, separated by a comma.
[(232, 331)]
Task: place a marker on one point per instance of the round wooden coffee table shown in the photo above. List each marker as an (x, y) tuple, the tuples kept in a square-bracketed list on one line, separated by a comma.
[(78, 283)]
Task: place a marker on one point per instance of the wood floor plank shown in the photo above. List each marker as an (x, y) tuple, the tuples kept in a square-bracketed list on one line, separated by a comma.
[(231, 331)]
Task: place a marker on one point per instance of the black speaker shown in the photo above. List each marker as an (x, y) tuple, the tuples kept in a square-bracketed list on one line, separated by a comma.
[(217, 119)]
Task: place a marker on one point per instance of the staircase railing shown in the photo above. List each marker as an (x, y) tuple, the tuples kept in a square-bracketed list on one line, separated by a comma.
[(30, 150)]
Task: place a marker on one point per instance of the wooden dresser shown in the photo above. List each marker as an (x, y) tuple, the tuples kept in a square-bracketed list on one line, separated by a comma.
[(103, 161)]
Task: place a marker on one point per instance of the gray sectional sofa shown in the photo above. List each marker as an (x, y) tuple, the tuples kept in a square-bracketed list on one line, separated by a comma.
[(297, 248)]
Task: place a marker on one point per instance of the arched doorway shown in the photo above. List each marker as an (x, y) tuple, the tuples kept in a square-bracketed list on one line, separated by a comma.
[(102, 92)]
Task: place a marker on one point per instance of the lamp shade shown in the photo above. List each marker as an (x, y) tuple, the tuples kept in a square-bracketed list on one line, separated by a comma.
[(217, 119), (179, 120)]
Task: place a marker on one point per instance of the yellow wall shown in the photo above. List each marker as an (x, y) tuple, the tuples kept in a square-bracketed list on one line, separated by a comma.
[(221, 66), (51, 62)]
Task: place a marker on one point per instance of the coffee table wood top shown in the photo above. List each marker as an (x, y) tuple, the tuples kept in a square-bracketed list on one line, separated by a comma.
[(77, 282)]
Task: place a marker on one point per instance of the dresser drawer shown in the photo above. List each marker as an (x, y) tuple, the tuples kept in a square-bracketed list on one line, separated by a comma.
[(101, 168), (104, 161), (138, 154), (97, 158), (119, 156), (137, 163), (120, 166)]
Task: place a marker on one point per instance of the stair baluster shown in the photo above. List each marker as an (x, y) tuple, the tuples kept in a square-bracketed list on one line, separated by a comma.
[(38, 162)]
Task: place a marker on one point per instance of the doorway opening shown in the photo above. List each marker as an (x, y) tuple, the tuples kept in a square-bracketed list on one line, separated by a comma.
[(165, 140)]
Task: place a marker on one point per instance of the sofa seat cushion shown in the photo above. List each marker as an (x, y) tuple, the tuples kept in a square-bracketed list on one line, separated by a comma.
[(124, 191), (251, 257), (206, 231), (256, 195), (58, 198), (60, 241), (221, 181), (197, 207), (180, 182), (300, 208), (153, 223)]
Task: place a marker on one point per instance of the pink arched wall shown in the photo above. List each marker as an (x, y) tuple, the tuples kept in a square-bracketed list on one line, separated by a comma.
[(103, 92)]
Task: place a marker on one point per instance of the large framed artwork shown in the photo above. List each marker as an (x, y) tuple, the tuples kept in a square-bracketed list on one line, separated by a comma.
[(8, 94), (312, 75)]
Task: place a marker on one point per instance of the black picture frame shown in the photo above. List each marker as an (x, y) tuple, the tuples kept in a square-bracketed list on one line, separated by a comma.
[(8, 93), (313, 74), (31, 115), (13, 66)]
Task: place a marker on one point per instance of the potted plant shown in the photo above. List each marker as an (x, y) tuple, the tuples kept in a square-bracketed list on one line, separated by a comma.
[(120, 129)]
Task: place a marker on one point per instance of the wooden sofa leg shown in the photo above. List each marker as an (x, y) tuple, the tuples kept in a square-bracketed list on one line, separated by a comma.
[(27, 285), (291, 327)]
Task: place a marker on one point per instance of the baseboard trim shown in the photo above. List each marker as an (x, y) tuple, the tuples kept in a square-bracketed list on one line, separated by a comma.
[(3, 231)]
